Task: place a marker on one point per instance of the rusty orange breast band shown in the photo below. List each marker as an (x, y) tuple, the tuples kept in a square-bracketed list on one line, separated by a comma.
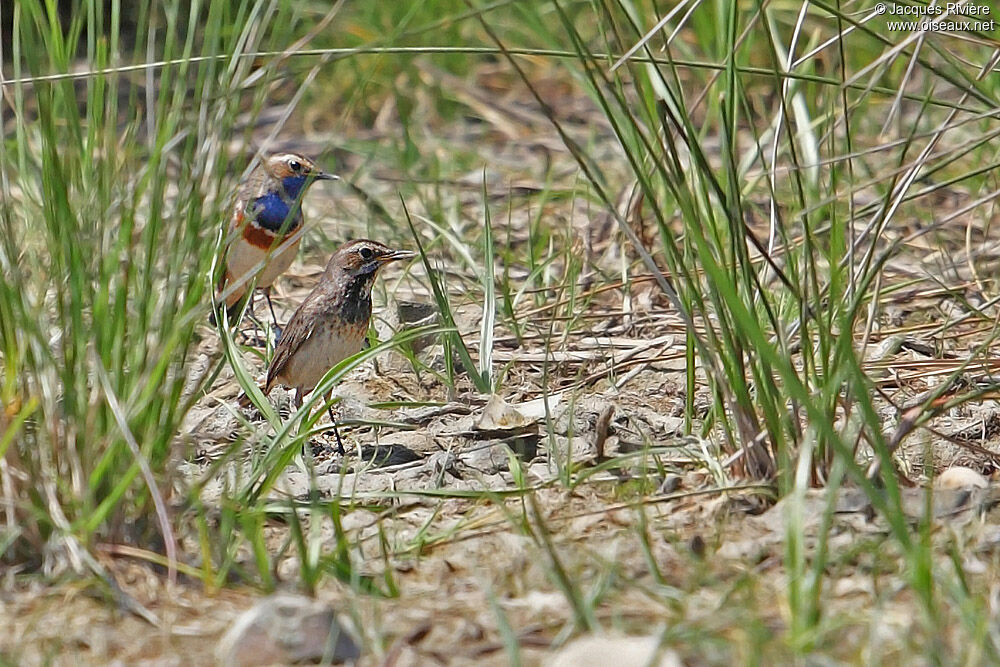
[(258, 236)]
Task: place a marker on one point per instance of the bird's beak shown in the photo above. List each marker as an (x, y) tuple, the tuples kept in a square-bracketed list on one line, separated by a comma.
[(323, 176), (397, 255)]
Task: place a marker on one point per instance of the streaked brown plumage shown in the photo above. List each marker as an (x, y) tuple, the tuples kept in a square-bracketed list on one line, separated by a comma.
[(332, 322), (266, 214)]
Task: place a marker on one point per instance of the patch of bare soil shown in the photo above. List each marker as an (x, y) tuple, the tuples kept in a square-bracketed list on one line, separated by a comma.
[(689, 560)]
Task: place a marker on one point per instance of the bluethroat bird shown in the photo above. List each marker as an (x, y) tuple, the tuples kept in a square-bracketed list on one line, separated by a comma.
[(331, 324), (262, 231)]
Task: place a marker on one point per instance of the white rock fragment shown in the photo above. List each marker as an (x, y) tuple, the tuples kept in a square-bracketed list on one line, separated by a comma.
[(598, 651)]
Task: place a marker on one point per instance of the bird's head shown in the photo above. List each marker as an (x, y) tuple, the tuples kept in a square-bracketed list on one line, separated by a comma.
[(363, 258), (294, 172)]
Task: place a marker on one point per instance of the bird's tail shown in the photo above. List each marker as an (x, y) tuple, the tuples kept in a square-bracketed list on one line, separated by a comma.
[(244, 400), (232, 311)]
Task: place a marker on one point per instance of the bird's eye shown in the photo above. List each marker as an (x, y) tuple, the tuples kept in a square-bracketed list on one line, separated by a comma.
[(366, 253), (295, 166)]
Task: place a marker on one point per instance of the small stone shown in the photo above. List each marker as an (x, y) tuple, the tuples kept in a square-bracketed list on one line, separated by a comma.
[(618, 651), (406, 315), (283, 629), (382, 455), (500, 419), (697, 546), (960, 477), (670, 484), (416, 313)]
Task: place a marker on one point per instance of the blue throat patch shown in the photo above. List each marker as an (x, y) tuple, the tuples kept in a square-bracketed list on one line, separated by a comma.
[(293, 186), (272, 210)]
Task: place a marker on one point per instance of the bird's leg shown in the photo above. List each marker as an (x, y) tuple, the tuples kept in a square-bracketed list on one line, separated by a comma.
[(274, 318), (258, 339), (333, 421)]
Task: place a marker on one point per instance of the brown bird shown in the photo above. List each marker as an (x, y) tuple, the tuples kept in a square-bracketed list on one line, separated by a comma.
[(331, 324), (266, 213)]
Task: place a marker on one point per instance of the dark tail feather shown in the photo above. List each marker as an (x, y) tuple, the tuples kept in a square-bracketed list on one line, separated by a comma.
[(244, 401), (232, 311)]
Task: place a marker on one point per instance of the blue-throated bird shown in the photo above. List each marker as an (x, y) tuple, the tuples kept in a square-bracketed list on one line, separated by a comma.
[(264, 225)]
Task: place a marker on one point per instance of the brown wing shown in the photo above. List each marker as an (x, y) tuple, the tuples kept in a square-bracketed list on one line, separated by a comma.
[(297, 332)]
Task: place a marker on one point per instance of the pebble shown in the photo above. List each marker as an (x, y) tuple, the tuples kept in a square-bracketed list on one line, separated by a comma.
[(960, 477), (598, 651), (286, 628)]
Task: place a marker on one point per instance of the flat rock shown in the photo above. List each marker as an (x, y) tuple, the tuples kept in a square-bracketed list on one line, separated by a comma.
[(286, 628)]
